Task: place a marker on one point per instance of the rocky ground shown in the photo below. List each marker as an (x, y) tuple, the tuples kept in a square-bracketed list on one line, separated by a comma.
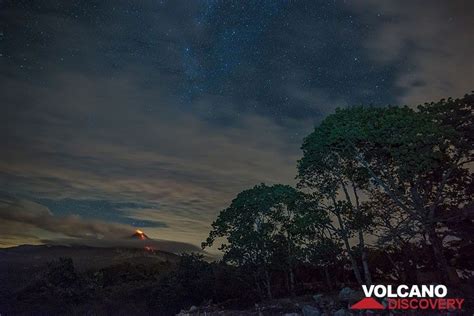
[(336, 304), (316, 305)]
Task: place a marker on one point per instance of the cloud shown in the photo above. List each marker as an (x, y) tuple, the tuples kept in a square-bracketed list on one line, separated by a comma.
[(35, 216), (430, 42), (90, 138), (27, 220)]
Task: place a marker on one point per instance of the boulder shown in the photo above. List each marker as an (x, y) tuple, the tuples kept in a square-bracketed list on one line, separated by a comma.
[(309, 310), (318, 298), (341, 312), (348, 295)]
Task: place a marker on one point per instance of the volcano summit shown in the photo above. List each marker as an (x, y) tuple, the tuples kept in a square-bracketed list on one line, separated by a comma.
[(139, 235)]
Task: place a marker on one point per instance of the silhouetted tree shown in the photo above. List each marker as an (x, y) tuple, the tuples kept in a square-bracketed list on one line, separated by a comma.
[(262, 222), (416, 163)]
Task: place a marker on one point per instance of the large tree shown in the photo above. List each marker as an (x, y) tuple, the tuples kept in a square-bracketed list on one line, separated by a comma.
[(329, 170), (262, 222), (417, 162)]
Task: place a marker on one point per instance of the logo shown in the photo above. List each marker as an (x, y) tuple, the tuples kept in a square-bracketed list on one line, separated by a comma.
[(404, 297)]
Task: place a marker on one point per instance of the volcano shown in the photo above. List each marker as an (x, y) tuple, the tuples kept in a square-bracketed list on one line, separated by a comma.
[(139, 235)]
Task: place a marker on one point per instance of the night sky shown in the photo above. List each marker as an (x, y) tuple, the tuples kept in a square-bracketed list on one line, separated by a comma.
[(155, 114)]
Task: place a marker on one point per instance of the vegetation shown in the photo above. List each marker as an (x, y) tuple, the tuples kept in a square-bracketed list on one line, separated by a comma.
[(132, 289), (267, 227), (392, 180)]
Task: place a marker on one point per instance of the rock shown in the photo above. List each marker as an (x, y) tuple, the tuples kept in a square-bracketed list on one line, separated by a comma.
[(341, 312), (309, 310), (318, 298), (348, 295)]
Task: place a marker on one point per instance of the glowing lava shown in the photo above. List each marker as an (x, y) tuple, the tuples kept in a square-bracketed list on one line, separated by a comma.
[(139, 235)]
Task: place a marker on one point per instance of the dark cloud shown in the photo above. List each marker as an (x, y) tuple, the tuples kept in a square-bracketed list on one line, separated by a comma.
[(429, 41), (27, 220), (100, 209), (26, 217)]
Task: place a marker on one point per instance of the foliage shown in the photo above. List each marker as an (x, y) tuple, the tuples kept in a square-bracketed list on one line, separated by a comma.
[(265, 227), (397, 175), (412, 164), (196, 282), (57, 288)]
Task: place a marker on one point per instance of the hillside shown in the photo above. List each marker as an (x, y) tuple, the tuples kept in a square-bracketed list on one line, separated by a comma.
[(24, 265)]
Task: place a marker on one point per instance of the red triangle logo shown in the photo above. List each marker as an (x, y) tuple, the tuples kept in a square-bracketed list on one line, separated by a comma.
[(367, 303)]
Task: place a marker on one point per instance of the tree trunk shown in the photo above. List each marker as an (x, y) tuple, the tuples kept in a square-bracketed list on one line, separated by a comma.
[(259, 288), (363, 250), (355, 267), (410, 269), (268, 285), (292, 282), (290, 265), (328, 277), (365, 263), (401, 277), (439, 256)]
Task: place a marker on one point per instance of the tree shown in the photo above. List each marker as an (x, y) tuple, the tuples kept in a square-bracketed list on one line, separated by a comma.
[(261, 222), (324, 251), (329, 169), (417, 162)]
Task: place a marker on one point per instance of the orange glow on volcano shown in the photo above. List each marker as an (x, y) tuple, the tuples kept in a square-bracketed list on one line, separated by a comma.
[(140, 234)]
